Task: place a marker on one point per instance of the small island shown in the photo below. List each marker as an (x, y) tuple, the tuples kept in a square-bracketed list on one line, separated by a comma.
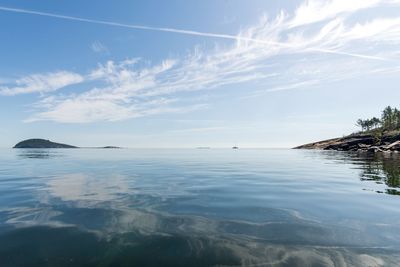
[(41, 143), (376, 135)]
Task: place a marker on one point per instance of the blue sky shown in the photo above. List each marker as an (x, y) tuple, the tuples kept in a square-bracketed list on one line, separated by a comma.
[(195, 73)]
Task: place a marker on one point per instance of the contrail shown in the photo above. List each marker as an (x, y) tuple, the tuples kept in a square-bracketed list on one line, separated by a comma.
[(180, 31)]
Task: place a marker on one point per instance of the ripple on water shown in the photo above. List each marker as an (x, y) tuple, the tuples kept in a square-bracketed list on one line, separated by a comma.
[(198, 208)]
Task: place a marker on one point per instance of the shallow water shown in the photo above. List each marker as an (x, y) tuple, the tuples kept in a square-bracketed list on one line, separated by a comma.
[(130, 207)]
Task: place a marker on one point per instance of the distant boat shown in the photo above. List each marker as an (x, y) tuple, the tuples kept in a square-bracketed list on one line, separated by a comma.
[(235, 147)]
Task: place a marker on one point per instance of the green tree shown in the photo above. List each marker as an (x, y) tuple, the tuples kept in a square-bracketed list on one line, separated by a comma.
[(376, 123), (388, 118), (361, 123), (368, 124), (396, 117)]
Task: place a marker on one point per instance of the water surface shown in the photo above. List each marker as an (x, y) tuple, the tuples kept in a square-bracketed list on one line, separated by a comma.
[(214, 207)]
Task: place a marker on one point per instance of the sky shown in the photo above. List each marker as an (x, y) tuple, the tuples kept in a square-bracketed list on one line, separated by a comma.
[(195, 73)]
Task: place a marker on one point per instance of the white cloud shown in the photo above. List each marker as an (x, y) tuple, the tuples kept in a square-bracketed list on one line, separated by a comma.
[(285, 53), (90, 108), (387, 29), (293, 86), (312, 11), (98, 47), (41, 83)]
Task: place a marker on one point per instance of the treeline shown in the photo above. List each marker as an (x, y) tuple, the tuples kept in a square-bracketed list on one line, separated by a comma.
[(389, 120)]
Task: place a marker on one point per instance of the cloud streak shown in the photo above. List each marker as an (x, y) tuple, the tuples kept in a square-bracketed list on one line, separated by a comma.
[(289, 52), (41, 83), (308, 13)]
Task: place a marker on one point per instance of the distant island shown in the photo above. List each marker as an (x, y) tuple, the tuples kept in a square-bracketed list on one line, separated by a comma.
[(43, 143), (376, 135)]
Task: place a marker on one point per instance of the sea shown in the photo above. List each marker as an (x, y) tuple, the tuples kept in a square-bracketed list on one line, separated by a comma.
[(198, 207)]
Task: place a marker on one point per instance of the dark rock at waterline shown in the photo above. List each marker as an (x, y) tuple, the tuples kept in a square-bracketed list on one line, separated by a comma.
[(351, 143), (41, 143), (389, 142)]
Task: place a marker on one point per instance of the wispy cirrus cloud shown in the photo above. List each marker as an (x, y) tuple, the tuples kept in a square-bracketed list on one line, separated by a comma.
[(42, 83), (309, 12), (99, 47), (312, 11), (321, 41)]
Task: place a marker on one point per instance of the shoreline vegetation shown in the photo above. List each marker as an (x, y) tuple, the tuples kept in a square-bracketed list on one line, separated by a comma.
[(376, 135)]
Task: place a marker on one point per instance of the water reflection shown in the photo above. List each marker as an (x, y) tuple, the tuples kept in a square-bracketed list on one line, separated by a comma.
[(131, 237), (90, 224), (45, 246), (37, 153), (382, 168), (88, 189), (90, 211)]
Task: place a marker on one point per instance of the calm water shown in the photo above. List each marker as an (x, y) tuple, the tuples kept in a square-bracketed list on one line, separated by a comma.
[(94, 207)]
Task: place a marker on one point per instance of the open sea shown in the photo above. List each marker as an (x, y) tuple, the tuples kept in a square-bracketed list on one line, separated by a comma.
[(198, 207)]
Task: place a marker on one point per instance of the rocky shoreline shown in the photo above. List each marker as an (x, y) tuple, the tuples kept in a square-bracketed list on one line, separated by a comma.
[(389, 142)]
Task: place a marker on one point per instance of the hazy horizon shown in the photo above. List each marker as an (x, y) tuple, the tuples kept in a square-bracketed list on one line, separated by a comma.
[(190, 74)]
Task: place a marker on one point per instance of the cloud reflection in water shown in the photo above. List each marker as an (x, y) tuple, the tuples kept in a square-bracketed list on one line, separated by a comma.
[(136, 215)]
